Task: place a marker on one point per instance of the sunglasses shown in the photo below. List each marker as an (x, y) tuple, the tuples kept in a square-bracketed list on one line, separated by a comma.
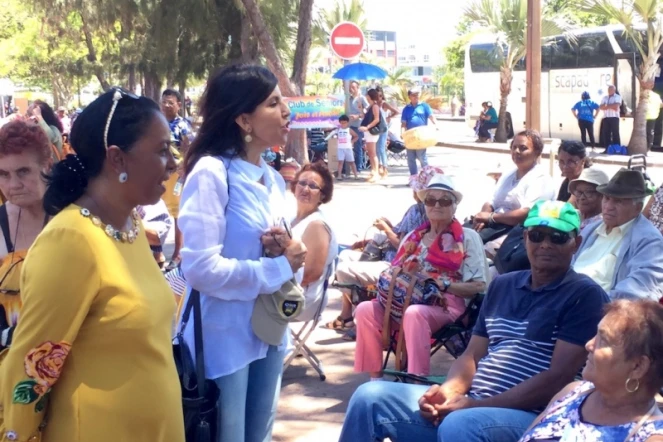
[(118, 94), (443, 202), (589, 194), (556, 237), (311, 185)]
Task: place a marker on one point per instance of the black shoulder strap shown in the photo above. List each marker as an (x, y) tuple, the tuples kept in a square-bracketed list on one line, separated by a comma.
[(4, 225)]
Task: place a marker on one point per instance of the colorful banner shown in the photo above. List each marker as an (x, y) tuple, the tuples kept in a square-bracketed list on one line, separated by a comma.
[(315, 112)]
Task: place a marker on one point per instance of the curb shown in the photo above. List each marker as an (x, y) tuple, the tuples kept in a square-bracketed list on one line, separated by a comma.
[(596, 158)]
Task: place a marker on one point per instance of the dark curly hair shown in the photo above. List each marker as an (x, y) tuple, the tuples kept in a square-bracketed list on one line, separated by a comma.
[(68, 179), (534, 137), (48, 115), (19, 136), (319, 167)]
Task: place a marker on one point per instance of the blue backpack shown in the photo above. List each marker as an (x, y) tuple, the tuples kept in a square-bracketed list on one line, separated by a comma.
[(616, 149)]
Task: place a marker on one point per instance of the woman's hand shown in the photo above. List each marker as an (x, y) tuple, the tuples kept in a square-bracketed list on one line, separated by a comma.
[(382, 225), (363, 129), (359, 244), (482, 217), (275, 241), (36, 111), (295, 253)]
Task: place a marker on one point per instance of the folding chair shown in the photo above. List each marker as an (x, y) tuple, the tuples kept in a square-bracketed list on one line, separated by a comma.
[(447, 337), (396, 151), (299, 337)]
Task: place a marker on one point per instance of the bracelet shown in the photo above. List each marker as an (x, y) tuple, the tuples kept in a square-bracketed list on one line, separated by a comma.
[(491, 218)]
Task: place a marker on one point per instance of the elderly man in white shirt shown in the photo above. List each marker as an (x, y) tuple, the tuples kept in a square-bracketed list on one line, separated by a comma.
[(622, 253), (610, 105)]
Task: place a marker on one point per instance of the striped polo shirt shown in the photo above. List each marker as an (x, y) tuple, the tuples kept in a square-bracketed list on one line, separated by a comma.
[(523, 325)]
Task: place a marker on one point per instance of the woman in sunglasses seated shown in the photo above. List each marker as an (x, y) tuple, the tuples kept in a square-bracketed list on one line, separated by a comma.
[(441, 250), (25, 154), (93, 349)]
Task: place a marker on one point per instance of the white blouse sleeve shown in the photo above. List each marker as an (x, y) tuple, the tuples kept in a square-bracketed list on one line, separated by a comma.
[(202, 221)]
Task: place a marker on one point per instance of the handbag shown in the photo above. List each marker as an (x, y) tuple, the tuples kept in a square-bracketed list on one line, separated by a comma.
[(396, 302), (199, 395), (379, 128), (373, 251), (512, 255)]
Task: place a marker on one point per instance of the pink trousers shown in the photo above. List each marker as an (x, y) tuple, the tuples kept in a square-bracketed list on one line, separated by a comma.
[(419, 322)]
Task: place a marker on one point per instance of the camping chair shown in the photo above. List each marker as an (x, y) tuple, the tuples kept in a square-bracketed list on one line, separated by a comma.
[(396, 151), (299, 337), (453, 337)]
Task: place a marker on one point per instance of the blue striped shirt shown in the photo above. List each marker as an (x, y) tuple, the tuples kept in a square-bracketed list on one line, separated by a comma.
[(523, 325)]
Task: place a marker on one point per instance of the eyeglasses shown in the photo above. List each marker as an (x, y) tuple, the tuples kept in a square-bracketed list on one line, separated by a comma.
[(310, 184), (443, 202), (118, 94), (589, 194), (558, 238)]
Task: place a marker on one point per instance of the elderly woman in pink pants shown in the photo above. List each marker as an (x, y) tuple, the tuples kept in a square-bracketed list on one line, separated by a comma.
[(440, 249)]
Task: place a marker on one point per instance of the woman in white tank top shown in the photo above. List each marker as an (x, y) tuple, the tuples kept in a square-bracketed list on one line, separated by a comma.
[(313, 186)]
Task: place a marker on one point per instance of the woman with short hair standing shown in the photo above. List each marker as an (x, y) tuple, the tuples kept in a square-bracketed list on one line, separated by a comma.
[(93, 346), (232, 202), (25, 155)]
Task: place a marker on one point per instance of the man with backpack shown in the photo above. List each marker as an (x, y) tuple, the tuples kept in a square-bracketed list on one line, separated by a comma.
[(610, 105)]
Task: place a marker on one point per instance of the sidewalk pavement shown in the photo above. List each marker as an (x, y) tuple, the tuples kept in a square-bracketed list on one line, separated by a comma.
[(654, 159)]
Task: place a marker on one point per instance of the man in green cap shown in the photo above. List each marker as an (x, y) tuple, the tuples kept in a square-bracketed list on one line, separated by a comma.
[(507, 375)]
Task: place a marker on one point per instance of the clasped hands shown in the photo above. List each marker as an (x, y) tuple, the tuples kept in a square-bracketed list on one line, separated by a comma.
[(480, 220), (437, 403), (277, 242)]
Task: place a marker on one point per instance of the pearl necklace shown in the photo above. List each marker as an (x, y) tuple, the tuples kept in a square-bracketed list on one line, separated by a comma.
[(118, 235)]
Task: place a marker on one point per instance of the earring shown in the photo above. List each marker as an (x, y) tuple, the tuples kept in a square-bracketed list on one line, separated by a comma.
[(248, 138), (123, 177), (632, 390)]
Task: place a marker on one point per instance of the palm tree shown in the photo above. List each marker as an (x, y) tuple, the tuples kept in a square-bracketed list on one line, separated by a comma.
[(507, 20), (399, 76), (328, 18), (399, 95), (632, 13)]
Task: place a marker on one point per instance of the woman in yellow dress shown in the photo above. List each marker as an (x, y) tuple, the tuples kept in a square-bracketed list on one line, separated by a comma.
[(92, 351), (25, 154)]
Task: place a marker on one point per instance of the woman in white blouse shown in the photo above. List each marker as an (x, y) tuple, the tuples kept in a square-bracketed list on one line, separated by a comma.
[(516, 191), (230, 202)]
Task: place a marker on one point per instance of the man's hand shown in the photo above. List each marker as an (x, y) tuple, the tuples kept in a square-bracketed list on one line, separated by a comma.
[(458, 402), (274, 241)]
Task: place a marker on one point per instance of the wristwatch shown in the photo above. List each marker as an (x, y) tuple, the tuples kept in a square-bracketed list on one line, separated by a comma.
[(445, 285)]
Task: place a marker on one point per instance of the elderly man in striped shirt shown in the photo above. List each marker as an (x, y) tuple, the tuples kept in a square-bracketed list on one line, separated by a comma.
[(528, 343)]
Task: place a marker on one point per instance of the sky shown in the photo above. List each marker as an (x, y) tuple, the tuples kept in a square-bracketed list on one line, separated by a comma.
[(426, 20)]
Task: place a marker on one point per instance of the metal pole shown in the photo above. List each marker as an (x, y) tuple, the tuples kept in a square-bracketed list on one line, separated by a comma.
[(533, 59)]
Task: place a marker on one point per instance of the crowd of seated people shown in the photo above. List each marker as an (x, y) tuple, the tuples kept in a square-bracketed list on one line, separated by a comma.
[(590, 299)]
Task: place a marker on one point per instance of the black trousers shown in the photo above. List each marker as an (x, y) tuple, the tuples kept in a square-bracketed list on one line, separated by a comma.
[(485, 127), (658, 130), (611, 131), (587, 127), (650, 133), (491, 231)]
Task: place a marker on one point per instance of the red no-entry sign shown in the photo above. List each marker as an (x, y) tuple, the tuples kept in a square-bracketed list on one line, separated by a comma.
[(347, 40)]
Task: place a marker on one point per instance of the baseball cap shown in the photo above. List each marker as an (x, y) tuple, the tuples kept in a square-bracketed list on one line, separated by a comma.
[(273, 312), (414, 90), (557, 215)]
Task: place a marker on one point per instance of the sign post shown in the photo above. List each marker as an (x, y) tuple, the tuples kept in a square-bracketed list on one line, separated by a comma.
[(347, 41)]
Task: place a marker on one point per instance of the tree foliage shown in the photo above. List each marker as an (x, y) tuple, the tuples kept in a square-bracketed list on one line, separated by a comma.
[(342, 11)]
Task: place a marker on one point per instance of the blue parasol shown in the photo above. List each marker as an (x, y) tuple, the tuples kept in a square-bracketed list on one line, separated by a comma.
[(360, 71)]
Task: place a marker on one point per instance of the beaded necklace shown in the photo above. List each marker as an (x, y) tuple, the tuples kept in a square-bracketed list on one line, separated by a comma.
[(118, 235)]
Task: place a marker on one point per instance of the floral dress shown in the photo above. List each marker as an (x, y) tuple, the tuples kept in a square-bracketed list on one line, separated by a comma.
[(656, 212), (564, 422)]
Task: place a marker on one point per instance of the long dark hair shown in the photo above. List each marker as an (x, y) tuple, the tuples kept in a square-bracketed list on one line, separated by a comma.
[(69, 178), (48, 115), (232, 91)]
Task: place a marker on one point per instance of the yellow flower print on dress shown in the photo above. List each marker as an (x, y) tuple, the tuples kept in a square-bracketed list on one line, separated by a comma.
[(43, 364)]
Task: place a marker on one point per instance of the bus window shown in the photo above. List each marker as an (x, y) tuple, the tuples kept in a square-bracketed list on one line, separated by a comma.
[(485, 58), (594, 50), (564, 54)]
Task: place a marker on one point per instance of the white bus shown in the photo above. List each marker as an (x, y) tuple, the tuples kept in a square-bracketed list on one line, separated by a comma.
[(598, 57)]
